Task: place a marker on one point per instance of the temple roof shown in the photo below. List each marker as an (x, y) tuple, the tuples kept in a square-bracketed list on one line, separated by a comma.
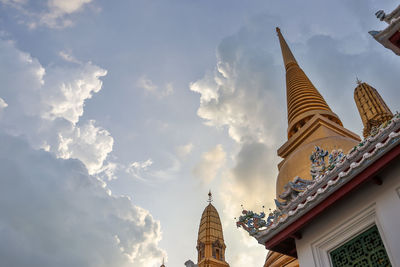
[(369, 151)]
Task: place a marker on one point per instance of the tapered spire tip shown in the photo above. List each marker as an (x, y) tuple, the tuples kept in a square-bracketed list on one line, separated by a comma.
[(302, 97)]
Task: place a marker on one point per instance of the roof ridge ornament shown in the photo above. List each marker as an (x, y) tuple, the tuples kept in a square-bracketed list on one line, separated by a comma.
[(253, 222)]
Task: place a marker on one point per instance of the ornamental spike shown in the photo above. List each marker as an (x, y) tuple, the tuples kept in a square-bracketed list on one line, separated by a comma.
[(209, 197)]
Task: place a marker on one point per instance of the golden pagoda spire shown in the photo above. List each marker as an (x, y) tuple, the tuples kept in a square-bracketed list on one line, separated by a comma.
[(210, 242), (373, 110), (303, 99), (310, 123)]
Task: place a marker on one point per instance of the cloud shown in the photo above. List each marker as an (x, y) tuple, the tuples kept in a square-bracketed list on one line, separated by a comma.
[(184, 150), (59, 11), (146, 84), (88, 143), (108, 171), (68, 57), (137, 168), (142, 165), (74, 86), (243, 94), (55, 214), (234, 95), (252, 179), (151, 88), (211, 163), (45, 105), (56, 14), (146, 172), (66, 7), (169, 89), (3, 104), (61, 215)]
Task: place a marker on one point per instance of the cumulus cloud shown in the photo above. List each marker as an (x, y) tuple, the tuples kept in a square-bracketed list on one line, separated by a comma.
[(234, 95), (45, 105), (74, 85), (184, 150), (55, 14), (211, 163), (55, 214), (243, 94), (57, 210), (88, 143), (108, 171)]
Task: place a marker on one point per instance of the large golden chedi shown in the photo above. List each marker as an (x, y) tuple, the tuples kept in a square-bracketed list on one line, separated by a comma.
[(311, 123), (210, 242)]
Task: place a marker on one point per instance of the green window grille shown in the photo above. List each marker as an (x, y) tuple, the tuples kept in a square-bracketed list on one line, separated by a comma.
[(364, 250)]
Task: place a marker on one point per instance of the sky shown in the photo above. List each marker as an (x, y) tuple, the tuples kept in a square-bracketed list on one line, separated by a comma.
[(118, 117)]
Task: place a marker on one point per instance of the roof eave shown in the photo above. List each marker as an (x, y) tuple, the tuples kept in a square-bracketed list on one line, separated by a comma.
[(286, 234)]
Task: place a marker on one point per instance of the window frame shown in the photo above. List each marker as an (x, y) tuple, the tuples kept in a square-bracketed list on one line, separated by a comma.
[(351, 228)]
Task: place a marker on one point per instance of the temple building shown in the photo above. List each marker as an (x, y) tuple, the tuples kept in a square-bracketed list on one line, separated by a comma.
[(390, 36), (210, 242), (337, 196)]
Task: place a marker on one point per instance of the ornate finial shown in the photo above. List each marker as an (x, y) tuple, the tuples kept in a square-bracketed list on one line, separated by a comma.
[(209, 197), (358, 81), (278, 30)]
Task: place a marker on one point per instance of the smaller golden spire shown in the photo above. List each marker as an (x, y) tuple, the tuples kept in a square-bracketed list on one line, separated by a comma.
[(373, 110), (210, 242)]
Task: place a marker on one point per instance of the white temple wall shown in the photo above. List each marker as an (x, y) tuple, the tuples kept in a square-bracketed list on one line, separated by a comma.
[(368, 205)]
